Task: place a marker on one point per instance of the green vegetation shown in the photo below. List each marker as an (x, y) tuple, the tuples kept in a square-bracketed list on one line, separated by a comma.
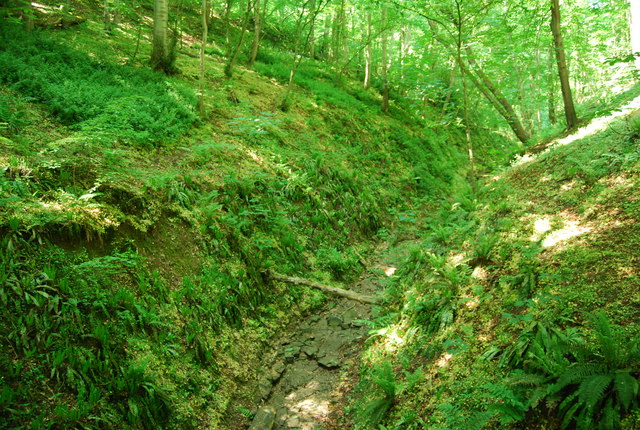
[(497, 301), (141, 213)]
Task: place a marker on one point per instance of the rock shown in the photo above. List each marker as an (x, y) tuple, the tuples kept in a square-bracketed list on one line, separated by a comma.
[(276, 372), (334, 321), (357, 324), (329, 362), (264, 419), (293, 422), (264, 388), (291, 353), (347, 318), (310, 351), (314, 319)]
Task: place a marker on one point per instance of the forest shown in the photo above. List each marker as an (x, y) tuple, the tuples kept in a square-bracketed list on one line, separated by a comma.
[(320, 214)]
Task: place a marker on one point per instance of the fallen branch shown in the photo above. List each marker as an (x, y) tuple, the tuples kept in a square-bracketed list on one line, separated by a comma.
[(326, 288)]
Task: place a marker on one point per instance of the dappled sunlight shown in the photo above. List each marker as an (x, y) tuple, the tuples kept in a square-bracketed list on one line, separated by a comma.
[(543, 228), (480, 273), (571, 229), (597, 124), (443, 361)]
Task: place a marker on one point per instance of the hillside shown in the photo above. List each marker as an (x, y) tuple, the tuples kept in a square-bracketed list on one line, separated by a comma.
[(152, 222)]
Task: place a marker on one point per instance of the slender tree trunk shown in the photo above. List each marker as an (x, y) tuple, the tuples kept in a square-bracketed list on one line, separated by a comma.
[(160, 55), (203, 47), (257, 27), (385, 84), (344, 34), (227, 27), (497, 99), (116, 15), (569, 110), (326, 38), (465, 99), (634, 30), (551, 91), (228, 68), (106, 16), (312, 30), (368, 54)]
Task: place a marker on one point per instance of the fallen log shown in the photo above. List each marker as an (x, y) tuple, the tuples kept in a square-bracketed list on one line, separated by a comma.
[(326, 288)]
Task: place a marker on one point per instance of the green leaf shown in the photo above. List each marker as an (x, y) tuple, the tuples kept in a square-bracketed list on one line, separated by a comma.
[(626, 387)]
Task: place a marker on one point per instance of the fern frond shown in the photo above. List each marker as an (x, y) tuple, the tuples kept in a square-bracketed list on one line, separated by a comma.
[(593, 390), (569, 415), (626, 388), (610, 416), (608, 342), (576, 374)]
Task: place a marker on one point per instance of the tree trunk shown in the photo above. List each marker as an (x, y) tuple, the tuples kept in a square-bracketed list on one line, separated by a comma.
[(202, 54), (465, 100), (106, 16), (569, 110), (312, 30), (257, 26), (368, 54), (634, 30), (326, 288), (497, 99), (385, 84), (551, 92), (228, 68), (227, 27), (160, 55)]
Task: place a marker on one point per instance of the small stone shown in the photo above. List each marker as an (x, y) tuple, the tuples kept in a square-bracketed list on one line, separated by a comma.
[(357, 324), (329, 362), (265, 387), (293, 422), (264, 420), (334, 321), (291, 353), (310, 351)]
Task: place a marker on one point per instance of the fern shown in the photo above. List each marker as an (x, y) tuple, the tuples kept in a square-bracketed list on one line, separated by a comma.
[(594, 385)]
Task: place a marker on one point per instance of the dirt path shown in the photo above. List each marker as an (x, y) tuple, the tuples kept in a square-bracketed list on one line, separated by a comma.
[(303, 379)]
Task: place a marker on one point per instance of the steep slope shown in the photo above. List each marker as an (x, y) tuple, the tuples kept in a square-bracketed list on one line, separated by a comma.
[(136, 236), (518, 308)]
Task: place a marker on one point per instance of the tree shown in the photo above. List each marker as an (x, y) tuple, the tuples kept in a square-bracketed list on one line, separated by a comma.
[(384, 61), (161, 55), (257, 28), (203, 47), (563, 73), (231, 61), (634, 29)]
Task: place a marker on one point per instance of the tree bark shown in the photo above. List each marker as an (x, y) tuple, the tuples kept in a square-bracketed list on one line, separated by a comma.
[(385, 84), (312, 30), (106, 16), (257, 27), (228, 68), (368, 54), (551, 91), (563, 73), (160, 55), (227, 27), (203, 46), (496, 98), (326, 288), (634, 30)]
